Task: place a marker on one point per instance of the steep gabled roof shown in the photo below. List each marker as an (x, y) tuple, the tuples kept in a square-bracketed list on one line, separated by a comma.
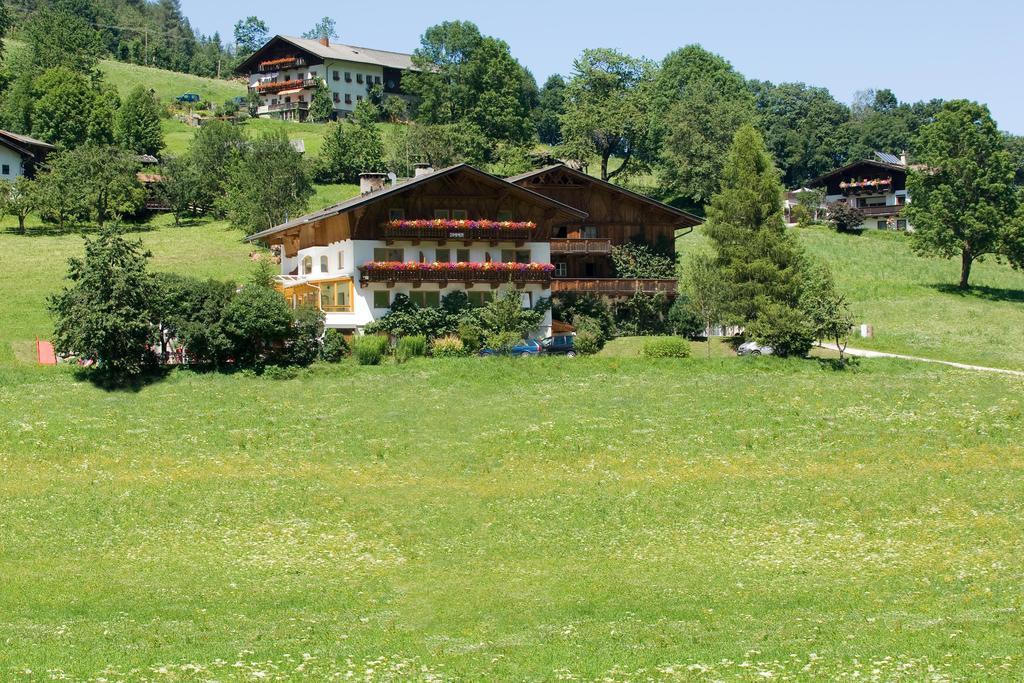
[(398, 188), (684, 217), (823, 179), (23, 144), (350, 53)]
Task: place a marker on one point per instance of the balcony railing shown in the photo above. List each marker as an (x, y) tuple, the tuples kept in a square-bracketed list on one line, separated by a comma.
[(887, 210), (581, 246), (612, 286), (390, 275), (282, 63), (295, 84), (519, 236)]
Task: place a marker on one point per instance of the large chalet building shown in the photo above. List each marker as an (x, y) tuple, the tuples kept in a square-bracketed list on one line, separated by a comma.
[(284, 74), (460, 228), (20, 155), (876, 187)]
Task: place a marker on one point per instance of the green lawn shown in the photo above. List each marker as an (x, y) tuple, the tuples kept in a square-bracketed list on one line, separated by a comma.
[(169, 84), (912, 301), (583, 519)]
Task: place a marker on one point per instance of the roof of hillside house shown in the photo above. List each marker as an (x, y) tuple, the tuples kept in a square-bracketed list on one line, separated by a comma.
[(400, 187), (687, 218), (350, 53), (23, 144), (823, 179), (887, 158)]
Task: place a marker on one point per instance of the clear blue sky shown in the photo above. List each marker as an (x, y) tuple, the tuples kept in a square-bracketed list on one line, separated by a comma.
[(919, 49)]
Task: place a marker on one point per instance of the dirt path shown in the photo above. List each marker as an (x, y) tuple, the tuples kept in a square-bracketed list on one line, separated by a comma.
[(866, 353)]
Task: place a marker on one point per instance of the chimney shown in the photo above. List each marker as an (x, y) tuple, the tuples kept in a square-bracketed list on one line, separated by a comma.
[(371, 182), (324, 40), (422, 169), (903, 157)]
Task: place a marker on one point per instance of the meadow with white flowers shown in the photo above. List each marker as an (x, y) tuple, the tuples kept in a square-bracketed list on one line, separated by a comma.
[(571, 519)]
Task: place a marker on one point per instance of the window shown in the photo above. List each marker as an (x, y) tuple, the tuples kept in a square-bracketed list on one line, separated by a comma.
[(302, 98), (462, 255), (382, 299), (882, 225), (443, 255), (504, 215), (348, 77), (337, 98), (348, 98), (460, 214), (395, 214), (336, 75), (589, 232), (376, 79), (307, 265), (359, 78), (426, 299), (341, 260), (901, 224), (515, 255), (359, 98), (323, 264), (336, 296), (382, 254), (423, 258), (487, 257), (480, 298), (561, 269), (441, 213), (6, 169)]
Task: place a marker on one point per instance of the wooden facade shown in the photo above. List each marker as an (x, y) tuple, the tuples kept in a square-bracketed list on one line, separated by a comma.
[(581, 248)]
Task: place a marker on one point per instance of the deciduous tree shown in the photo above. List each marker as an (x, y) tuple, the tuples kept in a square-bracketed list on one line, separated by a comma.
[(963, 199), (138, 126), (266, 184)]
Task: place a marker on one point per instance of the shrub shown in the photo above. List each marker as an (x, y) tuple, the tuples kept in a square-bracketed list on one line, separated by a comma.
[(502, 342), (666, 347), (410, 347), (787, 330), (636, 259), (683, 318), (370, 349), (334, 347), (843, 217), (449, 346), (304, 346), (471, 334), (281, 372), (571, 308), (587, 343), (642, 314)]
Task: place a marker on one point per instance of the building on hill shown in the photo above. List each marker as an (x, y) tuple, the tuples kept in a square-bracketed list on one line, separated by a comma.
[(876, 187), (581, 249), (20, 154), (457, 228), (284, 73)]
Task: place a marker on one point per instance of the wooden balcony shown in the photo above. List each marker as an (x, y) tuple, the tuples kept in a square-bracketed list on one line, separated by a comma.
[(467, 235), (442, 278), (612, 286), (888, 210), (581, 246), (282, 63), (272, 87)]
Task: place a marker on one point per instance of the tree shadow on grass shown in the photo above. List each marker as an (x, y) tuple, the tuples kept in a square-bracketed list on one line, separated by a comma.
[(977, 292), (133, 384), (836, 365)]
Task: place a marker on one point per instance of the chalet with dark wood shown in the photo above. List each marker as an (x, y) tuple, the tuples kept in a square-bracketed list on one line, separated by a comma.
[(457, 228), (285, 71), (876, 187), (581, 248)]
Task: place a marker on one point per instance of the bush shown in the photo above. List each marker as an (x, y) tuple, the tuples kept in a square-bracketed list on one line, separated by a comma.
[(471, 334), (370, 349), (573, 308), (787, 330), (334, 347), (587, 343), (281, 372), (683, 318), (304, 346), (843, 217), (448, 347), (502, 342), (642, 314), (410, 347), (666, 347)]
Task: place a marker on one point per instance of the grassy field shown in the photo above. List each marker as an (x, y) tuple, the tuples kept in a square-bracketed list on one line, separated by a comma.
[(913, 302), (575, 519), (169, 84)]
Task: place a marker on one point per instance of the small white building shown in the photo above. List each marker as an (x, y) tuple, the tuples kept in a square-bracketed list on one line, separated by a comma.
[(876, 187), (20, 154), (455, 229), (285, 71)]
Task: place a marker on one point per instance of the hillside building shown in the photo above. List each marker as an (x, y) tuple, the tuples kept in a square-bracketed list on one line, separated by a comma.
[(876, 187), (20, 154)]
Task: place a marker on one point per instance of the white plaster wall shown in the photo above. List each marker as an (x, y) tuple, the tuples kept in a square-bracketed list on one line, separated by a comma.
[(12, 160)]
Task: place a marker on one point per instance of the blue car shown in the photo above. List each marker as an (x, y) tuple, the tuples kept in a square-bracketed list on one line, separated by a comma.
[(523, 347)]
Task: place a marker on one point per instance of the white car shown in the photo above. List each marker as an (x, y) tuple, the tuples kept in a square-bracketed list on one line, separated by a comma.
[(752, 348)]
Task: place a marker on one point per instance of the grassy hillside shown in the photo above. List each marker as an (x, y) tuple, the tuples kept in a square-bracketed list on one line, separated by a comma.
[(510, 519), (169, 84), (913, 303)]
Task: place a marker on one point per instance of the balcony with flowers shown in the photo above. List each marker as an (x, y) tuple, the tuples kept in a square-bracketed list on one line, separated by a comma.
[(443, 229), (866, 186), (443, 273), (281, 63), (278, 86)]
